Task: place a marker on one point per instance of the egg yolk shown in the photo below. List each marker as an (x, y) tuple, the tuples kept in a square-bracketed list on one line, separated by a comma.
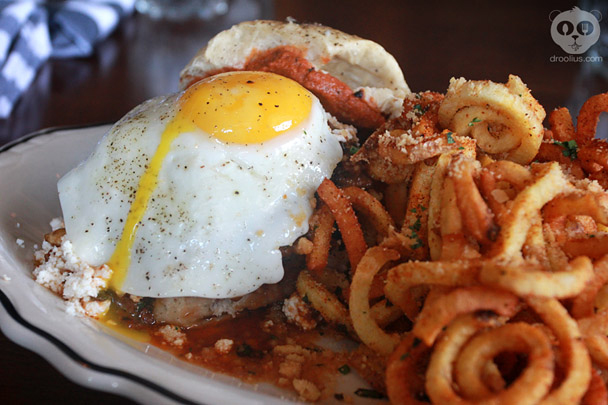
[(245, 107), (236, 107)]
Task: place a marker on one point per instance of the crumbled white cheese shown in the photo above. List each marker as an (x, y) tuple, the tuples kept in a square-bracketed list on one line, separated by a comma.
[(57, 223), (20, 243), (135, 298), (62, 272), (18, 225), (412, 116), (388, 101), (291, 368), (500, 195), (343, 132), (296, 311), (223, 346), (307, 390), (285, 350), (93, 309), (172, 335), (267, 325), (406, 138)]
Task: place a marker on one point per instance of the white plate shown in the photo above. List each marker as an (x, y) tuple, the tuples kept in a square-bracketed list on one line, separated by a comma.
[(80, 348)]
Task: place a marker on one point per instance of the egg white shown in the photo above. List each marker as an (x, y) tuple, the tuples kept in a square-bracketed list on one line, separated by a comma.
[(219, 212)]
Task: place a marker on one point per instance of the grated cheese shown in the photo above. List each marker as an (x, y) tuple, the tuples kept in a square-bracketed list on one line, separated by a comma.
[(62, 272), (172, 335)]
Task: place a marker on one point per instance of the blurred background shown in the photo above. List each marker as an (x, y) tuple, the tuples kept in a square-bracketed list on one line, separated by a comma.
[(432, 41)]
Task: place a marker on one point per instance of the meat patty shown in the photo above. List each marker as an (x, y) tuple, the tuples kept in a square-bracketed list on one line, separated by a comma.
[(191, 311)]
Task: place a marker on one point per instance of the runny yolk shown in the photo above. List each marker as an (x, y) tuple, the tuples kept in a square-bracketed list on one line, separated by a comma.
[(246, 107), (233, 107)]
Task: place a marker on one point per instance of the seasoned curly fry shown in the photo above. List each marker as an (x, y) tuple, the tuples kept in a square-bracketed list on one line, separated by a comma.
[(477, 217), (486, 248), (550, 183), (504, 118), (596, 394), (346, 220), (434, 211), (404, 383), (524, 281), (589, 204), (464, 300), (407, 275), (395, 200), (594, 247), (416, 215), (561, 125), (322, 223), (439, 380), (454, 243), (322, 300), (594, 155), (402, 148), (370, 206), (531, 385), (578, 364), (365, 326), (589, 116)]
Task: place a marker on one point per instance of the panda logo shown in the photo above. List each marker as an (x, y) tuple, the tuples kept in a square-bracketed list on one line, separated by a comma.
[(576, 30)]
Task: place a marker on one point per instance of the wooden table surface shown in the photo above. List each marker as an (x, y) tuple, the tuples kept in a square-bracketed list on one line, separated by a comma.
[(432, 41)]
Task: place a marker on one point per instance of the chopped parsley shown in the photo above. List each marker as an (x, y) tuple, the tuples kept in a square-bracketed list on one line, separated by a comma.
[(244, 350), (474, 121), (353, 150), (418, 109), (404, 356), (416, 226), (420, 207), (449, 137), (570, 148), (366, 393), (345, 369)]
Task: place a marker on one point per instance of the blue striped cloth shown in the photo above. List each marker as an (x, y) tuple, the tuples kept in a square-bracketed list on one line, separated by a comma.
[(32, 31)]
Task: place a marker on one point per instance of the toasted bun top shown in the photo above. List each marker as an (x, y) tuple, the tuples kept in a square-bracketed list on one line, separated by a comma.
[(355, 61)]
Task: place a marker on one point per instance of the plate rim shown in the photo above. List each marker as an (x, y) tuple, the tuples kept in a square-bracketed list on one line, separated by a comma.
[(25, 327)]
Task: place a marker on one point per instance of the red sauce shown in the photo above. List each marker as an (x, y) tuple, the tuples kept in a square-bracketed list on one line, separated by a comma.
[(253, 357)]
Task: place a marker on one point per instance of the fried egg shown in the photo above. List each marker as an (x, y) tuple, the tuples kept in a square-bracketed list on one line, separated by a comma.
[(193, 194)]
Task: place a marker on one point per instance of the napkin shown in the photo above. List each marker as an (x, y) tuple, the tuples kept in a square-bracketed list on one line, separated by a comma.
[(33, 31)]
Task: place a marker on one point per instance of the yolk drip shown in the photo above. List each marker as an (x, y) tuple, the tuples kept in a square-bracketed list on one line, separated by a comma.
[(112, 320), (121, 258), (236, 107)]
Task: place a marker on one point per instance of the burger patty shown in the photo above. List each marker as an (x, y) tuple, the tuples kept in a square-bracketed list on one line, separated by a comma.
[(191, 311)]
